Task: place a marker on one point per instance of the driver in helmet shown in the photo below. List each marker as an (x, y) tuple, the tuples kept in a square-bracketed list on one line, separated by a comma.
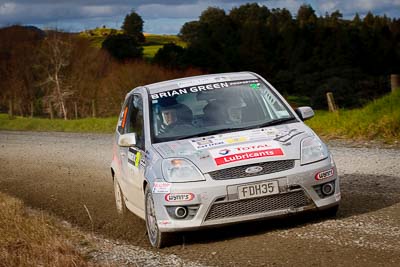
[(234, 110), (175, 117)]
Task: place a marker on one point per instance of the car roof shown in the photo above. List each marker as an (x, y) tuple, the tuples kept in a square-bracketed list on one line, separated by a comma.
[(197, 80)]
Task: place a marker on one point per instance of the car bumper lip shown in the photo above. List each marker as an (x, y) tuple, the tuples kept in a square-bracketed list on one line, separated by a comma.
[(213, 192)]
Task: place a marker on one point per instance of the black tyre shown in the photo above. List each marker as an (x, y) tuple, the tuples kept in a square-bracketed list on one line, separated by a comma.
[(119, 199), (157, 239)]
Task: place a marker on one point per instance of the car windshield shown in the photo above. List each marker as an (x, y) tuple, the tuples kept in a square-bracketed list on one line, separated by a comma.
[(215, 108)]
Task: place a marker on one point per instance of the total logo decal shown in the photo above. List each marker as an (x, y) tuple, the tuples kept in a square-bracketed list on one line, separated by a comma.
[(173, 197), (224, 152), (247, 152)]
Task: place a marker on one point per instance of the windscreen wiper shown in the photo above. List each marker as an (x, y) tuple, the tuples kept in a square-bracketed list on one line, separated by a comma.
[(210, 133), (276, 122)]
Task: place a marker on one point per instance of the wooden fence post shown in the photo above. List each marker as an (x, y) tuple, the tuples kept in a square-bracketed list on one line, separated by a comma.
[(76, 110), (10, 109), (32, 109), (331, 102), (51, 110), (94, 114), (394, 81)]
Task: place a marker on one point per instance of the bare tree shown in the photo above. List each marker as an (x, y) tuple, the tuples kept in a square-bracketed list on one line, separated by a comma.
[(55, 55)]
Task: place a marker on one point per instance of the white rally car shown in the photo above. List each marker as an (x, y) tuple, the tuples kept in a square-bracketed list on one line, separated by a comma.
[(217, 149)]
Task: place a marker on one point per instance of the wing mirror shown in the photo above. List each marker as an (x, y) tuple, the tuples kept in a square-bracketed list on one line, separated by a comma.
[(127, 140), (304, 113)]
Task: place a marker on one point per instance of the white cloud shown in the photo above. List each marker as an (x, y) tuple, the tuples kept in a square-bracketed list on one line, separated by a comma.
[(291, 5), (7, 8), (349, 8), (155, 11)]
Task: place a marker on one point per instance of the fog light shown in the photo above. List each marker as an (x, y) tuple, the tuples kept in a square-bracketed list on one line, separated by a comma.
[(181, 212), (328, 189)]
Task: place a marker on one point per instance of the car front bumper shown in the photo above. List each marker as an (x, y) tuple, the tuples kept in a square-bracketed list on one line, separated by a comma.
[(216, 202)]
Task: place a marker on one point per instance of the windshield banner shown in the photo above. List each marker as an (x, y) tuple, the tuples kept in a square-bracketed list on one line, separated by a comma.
[(200, 88)]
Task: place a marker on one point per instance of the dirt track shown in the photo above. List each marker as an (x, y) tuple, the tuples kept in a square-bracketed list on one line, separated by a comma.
[(61, 173)]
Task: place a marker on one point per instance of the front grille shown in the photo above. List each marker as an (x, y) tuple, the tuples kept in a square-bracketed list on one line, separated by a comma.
[(240, 171), (251, 206)]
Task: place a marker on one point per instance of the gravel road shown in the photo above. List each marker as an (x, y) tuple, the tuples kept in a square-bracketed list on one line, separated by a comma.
[(62, 173)]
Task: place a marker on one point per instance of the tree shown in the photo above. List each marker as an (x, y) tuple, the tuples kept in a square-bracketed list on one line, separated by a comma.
[(133, 26), (170, 56), (306, 16), (55, 57), (122, 47), (190, 32), (18, 53)]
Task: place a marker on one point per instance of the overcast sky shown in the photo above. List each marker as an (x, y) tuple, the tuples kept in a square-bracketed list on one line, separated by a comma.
[(160, 16)]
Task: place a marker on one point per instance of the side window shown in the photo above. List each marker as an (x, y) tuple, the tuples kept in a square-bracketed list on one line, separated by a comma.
[(134, 121)]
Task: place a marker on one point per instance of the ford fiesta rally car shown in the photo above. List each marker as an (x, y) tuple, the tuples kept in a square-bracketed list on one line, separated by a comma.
[(217, 149)]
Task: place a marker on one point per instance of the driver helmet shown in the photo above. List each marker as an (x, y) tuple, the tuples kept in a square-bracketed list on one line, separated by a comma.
[(235, 110)]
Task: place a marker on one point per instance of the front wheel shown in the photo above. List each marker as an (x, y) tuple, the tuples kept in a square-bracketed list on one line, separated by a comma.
[(157, 239)]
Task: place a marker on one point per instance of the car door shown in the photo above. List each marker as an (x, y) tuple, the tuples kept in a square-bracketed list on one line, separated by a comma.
[(134, 156)]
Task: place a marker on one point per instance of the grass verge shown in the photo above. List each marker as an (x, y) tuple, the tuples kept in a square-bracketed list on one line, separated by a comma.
[(380, 119), (28, 239), (92, 125)]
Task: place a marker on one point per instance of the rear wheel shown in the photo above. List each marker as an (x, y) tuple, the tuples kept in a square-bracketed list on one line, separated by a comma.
[(157, 239), (119, 199)]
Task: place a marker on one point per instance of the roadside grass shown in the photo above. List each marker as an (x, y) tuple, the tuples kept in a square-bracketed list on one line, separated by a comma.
[(30, 238), (92, 125), (380, 119)]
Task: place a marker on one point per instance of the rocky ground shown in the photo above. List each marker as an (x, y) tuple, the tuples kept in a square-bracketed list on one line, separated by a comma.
[(68, 175)]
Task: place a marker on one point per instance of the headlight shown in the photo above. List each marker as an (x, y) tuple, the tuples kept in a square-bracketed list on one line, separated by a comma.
[(312, 150), (180, 170)]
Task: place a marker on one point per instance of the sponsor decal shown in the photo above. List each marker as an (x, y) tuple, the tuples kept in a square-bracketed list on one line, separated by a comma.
[(200, 88), (207, 142), (161, 187), (193, 89), (247, 152), (202, 81), (173, 197), (271, 132), (137, 158), (235, 140), (164, 222), (134, 157), (255, 86), (285, 136), (324, 174)]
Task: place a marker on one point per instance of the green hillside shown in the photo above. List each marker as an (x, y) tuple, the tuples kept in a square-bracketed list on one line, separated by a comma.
[(97, 35), (156, 41), (380, 119), (150, 47)]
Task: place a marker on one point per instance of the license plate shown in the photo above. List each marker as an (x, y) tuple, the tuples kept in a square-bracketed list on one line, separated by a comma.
[(258, 190)]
